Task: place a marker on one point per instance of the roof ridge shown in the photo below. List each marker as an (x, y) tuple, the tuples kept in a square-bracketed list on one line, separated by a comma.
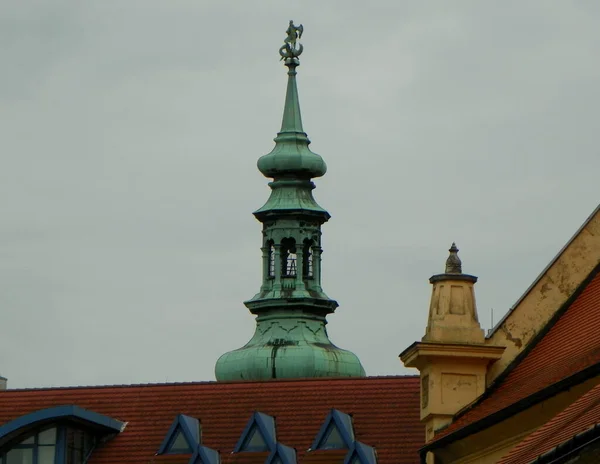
[(212, 382)]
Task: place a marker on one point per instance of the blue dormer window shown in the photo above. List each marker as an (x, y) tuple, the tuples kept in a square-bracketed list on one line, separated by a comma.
[(179, 445), (255, 441), (58, 435), (259, 435), (79, 445), (55, 445), (337, 432), (36, 449), (185, 437), (333, 439), (362, 454)]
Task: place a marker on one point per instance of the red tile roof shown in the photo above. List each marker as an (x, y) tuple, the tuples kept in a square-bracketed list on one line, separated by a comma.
[(325, 457), (246, 458), (576, 418), (385, 412), (571, 345)]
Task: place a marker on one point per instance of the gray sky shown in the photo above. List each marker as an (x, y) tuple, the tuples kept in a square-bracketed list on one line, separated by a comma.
[(129, 137)]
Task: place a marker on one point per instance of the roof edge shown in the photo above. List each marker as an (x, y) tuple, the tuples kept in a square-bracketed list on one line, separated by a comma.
[(59, 412), (570, 446), (544, 271), (512, 409), (211, 382)]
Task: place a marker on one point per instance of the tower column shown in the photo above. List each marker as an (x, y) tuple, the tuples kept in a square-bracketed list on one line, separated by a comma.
[(317, 251), (266, 260), (278, 270), (300, 267)]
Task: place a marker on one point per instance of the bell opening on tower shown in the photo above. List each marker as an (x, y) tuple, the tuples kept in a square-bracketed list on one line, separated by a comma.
[(289, 258)]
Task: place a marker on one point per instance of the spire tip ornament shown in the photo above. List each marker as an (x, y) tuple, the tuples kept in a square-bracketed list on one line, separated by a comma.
[(288, 51), (453, 263)]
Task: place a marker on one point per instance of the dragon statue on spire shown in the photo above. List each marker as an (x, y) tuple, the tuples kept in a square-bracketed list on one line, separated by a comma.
[(289, 50)]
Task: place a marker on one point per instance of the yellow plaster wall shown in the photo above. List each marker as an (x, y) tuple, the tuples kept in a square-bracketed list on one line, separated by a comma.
[(453, 313), (451, 385), (548, 294)]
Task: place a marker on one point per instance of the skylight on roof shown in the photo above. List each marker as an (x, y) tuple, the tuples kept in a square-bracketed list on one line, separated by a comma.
[(361, 454), (183, 436), (255, 441), (259, 434), (332, 439), (283, 455), (179, 445), (204, 455), (337, 432)]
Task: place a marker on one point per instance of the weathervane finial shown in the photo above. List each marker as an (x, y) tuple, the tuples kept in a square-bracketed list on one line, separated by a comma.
[(288, 50)]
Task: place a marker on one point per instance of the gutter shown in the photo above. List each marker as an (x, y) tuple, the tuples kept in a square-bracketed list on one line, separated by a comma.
[(569, 448)]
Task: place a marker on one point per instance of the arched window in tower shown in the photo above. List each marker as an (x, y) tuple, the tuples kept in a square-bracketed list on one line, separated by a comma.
[(271, 260), (307, 258), (288, 258)]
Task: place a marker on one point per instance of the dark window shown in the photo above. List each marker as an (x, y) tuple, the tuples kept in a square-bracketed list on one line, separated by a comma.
[(308, 259), (288, 257), (333, 439), (255, 441), (19, 456), (35, 449), (45, 447), (78, 446), (179, 445)]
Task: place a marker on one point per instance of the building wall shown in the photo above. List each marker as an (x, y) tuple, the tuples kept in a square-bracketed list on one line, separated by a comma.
[(546, 296)]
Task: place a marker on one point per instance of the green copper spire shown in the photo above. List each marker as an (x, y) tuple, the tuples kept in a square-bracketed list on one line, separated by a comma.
[(291, 339), (291, 155), (292, 119)]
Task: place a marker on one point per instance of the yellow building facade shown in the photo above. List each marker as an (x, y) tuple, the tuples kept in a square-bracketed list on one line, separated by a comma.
[(482, 397)]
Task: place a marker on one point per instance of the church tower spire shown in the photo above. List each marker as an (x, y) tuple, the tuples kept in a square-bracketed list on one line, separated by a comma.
[(290, 340)]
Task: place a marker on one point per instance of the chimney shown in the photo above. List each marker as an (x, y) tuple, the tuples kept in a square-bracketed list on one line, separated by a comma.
[(3, 382)]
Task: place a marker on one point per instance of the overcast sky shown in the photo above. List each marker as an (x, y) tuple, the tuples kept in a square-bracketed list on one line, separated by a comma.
[(130, 130)]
